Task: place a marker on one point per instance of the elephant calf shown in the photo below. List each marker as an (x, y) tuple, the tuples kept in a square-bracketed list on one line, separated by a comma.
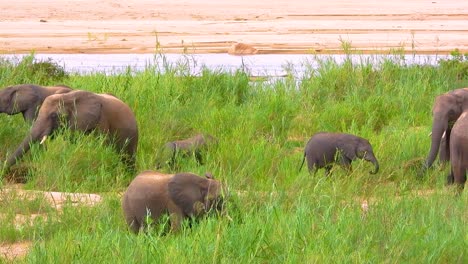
[(188, 147), (183, 195), (324, 149), (459, 152)]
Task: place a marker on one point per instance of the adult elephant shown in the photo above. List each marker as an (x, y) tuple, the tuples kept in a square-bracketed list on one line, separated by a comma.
[(27, 98), (446, 110), (459, 152), (184, 195), (84, 111)]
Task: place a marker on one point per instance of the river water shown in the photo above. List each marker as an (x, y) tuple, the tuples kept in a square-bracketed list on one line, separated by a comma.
[(275, 65)]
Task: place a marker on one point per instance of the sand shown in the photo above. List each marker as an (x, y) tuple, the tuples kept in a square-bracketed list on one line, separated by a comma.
[(17, 250), (205, 26), (14, 251)]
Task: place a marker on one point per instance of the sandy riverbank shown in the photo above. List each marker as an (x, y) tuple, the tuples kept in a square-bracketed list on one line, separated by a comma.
[(205, 26)]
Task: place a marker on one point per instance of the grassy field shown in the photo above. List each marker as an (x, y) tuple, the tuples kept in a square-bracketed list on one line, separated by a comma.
[(276, 214)]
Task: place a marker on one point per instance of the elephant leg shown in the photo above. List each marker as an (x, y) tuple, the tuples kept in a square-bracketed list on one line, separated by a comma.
[(315, 169), (30, 114), (450, 179), (328, 169), (173, 160), (460, 178), (134, 225), (125, 147), (457, 175), (172, 164), (312, 166), (158, 165), (312, 169), (130, 162), (198, 157), (176, 220), (346, 163)]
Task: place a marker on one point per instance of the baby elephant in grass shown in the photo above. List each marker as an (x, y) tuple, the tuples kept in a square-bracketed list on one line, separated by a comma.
[(193, 146), (324, 149), (184, 195)]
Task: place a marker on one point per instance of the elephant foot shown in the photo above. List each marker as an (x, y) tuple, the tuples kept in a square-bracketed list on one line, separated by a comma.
[(450, 179)]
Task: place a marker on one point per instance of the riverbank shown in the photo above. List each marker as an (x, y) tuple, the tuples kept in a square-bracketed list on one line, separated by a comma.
[(194, 27)]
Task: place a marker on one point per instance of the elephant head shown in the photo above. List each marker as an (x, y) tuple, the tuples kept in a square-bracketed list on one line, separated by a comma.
[(83, 111), (27, 98), (362, 149), (369, 156), (446, 110), (195, 195)]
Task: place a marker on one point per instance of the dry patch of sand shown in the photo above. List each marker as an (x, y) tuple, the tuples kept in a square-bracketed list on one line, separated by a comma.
[(17, 250), (56, 199), (14, 251)]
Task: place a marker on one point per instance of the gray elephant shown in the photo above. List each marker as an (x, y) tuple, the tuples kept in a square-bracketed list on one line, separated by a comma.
[(459, 152), (27, 98), (183, 195), (324, 149), (446, 110), (84, 111), (193, 146)]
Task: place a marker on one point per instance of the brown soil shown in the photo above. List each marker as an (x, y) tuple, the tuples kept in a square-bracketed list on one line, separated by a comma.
[(202, 26), (14, 251), (17, 250), (56, 199)]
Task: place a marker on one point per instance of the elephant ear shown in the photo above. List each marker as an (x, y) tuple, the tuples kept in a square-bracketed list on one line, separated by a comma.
[(22, 97), (188, 192), (350, 153), (348, 149), (83, 109)]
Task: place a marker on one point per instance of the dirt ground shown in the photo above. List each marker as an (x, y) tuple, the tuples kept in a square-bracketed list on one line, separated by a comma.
[(212, 26), (14, 251), (17, 250)]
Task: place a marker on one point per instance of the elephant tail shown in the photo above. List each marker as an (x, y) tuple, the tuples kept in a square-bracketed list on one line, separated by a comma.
[(303, 159)]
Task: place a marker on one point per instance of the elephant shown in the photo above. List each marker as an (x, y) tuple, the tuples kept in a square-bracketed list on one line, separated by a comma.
[(446, 110), (181, 196), (324, 149), (84, 111), (27, 99), (187, 147), (459, 152)]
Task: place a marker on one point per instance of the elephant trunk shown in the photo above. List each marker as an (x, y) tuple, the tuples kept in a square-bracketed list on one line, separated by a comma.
[(19, 152), (376, 165), (35, 135), (439, 126)]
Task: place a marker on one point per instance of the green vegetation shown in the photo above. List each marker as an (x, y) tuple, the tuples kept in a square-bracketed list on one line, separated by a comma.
[(276, 214)]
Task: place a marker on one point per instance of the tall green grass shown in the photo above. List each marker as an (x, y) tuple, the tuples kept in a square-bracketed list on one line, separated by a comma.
[(279, 215)]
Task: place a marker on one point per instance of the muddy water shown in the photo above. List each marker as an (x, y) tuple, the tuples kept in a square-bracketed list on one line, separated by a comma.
[(257, 65)]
